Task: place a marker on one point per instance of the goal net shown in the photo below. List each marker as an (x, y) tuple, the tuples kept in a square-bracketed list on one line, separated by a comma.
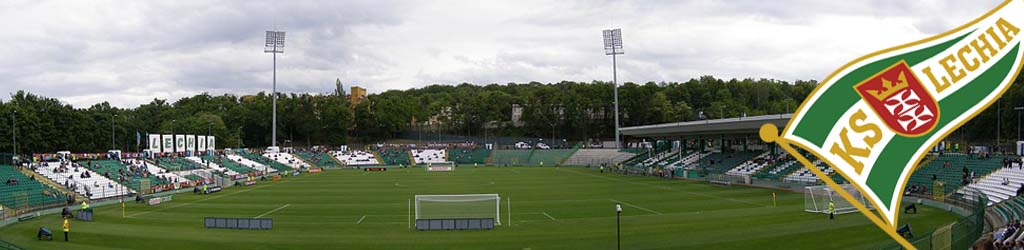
[(441, 166), (459, 206), (816, 199)]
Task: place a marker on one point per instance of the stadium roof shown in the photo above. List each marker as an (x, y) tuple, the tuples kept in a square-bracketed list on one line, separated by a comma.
[(741, 125)]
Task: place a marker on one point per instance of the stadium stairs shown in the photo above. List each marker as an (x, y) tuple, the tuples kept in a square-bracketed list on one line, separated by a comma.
[(28, 193)]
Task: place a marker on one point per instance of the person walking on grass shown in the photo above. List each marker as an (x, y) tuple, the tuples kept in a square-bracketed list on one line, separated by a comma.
[(67, 228)]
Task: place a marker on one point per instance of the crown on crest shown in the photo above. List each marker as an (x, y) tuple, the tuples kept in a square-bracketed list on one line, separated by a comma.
[(888, 87)]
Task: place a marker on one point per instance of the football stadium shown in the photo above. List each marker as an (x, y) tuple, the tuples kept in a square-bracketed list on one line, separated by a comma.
[(233, 155)]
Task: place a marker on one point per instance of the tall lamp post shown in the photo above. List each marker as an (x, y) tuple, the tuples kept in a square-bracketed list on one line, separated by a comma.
[(14, 125), (618, 227), (613, 47), (274, 45), (112, 144)]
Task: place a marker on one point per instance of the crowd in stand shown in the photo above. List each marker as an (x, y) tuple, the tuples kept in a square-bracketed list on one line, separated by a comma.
[(1010, 237)]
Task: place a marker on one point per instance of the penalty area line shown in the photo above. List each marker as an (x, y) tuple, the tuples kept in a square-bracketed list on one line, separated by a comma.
[(272, 211)]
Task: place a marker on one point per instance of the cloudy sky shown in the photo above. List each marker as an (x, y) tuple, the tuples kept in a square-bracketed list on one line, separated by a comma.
[(130, 52)]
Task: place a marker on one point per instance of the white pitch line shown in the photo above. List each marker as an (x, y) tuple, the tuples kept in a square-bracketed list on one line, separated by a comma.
[(635, 206), (361, 220), (272, 211), (548, 215)]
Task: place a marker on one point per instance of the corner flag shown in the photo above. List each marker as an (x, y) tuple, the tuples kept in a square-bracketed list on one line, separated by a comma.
[(875, 118)]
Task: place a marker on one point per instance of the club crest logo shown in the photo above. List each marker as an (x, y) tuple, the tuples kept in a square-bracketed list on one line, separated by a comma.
[(899, 99)]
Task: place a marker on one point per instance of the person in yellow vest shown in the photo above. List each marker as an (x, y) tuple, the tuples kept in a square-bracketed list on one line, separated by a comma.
[(204, 188), (85, 206), (831, 210), (67, 228)]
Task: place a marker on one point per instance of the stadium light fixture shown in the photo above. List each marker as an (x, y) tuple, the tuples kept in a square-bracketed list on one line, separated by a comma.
[(613, 47), (274, 45)]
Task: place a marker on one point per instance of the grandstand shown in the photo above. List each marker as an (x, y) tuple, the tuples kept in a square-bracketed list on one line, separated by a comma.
[(356, 158), (687, 160), (246, 162), (511, 157), (596, 157), (530, 157), (428, 156), (805, 175), (23, 192), (320, 159), (94, 186), (469, 156), (722, 162), (176, 164), (259, 161), (752, 166), (1001, 184), (133, 179), (216, 161), (287, 160), (948, 169), (394, 157), (779, 169)]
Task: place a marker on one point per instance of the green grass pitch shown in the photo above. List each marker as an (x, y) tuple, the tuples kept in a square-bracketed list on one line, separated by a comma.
[(563, 208)]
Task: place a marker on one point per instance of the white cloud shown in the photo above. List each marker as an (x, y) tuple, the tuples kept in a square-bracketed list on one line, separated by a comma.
[(128, 53)]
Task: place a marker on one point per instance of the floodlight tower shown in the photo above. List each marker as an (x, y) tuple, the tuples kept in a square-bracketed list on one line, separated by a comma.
[(274, 45), (613, 47)]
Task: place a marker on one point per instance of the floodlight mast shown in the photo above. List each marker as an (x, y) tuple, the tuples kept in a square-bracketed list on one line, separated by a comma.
[(274, 45), (613, 47)]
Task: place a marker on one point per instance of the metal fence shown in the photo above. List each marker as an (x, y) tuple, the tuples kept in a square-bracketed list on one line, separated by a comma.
[(961, 234)]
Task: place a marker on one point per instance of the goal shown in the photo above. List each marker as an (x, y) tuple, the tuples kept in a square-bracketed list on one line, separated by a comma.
[(816, 199), (459, 206), (441, 166)]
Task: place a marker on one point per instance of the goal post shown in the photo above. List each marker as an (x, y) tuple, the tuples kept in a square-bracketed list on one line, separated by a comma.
[(458, 206), (816, 199), (441, 166)]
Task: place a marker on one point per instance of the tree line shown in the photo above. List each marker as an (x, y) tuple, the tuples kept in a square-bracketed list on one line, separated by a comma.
[(575, 111)]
